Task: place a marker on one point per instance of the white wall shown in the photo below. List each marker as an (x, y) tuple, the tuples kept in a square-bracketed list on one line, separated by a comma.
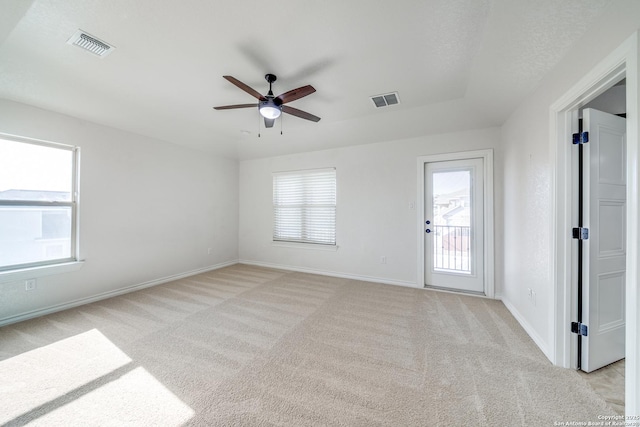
[(529, 168), (148, 210), (376, 183)]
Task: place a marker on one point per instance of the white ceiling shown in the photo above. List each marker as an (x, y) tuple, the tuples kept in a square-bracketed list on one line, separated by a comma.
[(457, 64)]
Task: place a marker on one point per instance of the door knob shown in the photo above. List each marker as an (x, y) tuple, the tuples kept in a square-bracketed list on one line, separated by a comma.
[(428, 230), (428, 222)]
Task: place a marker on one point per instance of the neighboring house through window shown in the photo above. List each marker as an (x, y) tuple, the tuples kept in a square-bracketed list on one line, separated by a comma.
[(304, 206), (38, 203)]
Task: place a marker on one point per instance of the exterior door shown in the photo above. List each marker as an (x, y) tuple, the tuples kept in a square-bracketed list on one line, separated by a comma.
[(454, 225), (604, 201)]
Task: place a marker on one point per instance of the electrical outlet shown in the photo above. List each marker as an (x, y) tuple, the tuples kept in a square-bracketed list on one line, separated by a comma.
[(29, 284), (529, 293), (383, 259)]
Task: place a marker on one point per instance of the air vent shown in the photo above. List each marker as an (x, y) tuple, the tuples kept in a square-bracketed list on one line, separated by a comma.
[(386, 99), (90, 43)]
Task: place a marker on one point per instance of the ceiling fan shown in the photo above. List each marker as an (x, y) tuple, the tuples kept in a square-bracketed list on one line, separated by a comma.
[(269, 106)]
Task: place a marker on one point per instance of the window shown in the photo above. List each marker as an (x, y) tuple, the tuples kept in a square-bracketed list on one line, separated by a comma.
[(38, 203), (304, 206)]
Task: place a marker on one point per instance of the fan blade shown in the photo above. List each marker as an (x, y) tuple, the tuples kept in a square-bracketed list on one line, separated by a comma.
[(294, 94), (268, 123), (245, 88), (231, 107), (300, 113)]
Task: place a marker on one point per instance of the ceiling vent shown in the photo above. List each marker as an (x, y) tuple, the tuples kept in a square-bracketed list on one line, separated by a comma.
[(386, 99), (90, 43)]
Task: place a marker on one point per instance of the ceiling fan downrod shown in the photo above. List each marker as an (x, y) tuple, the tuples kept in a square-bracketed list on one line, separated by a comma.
[(270, 78)]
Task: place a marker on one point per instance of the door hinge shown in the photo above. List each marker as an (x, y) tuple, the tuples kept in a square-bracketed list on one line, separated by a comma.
[(579, 328), (581, 138), (581, 233)]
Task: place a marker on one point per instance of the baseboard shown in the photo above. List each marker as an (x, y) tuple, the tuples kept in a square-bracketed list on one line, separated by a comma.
[(528, 328), (330, 273), (87, 300)]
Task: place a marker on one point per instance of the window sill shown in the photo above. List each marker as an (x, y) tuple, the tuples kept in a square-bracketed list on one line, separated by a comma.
[(35, 272), (310, 246)]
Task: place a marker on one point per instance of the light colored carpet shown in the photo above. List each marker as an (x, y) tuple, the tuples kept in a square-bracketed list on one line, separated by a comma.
[(246, 345)]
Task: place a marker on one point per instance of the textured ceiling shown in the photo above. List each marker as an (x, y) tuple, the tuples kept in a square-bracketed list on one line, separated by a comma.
[(457, 64)]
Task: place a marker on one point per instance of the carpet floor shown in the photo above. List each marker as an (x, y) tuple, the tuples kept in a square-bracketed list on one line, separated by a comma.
[(246, 345)]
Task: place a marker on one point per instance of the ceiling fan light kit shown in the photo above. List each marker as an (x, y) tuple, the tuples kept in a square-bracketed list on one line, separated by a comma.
[(269, 106), (269, 109)]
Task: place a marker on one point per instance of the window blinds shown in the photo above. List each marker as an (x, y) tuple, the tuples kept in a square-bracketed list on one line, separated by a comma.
[(304, 206)]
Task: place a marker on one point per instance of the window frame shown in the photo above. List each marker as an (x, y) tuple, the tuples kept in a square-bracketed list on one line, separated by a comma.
[(301, 242), (66, 263)]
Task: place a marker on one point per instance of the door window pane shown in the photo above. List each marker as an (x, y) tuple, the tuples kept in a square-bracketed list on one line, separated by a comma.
[(452, 221)]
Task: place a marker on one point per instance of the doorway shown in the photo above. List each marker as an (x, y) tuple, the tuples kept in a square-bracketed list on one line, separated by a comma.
[(455, 218), (622, 63), (454, 231)]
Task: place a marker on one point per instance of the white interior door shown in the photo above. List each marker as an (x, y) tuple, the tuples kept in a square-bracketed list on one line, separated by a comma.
[(454, 225), (604, 257)]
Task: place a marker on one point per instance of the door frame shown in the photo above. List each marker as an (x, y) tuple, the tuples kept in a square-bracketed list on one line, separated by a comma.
[(622, 62), (487, 175)]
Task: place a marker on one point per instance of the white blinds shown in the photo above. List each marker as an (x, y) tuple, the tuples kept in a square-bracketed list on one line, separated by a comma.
[(304, 206)]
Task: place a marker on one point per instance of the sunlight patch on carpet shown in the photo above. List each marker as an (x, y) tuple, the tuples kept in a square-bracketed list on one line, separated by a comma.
[(85, 378)]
